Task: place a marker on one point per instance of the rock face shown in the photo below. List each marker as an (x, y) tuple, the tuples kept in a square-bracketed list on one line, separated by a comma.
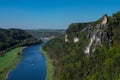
[(98, 36), (76, 39), (66, 38), (104, 21), (92, 39)]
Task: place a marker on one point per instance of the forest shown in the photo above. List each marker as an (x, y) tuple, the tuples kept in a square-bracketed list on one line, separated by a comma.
[(102, 63), (11, 38)]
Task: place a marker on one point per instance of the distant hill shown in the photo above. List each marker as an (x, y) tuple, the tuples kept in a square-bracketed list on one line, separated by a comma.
[(10, 38), (43, 33), (88, 51)]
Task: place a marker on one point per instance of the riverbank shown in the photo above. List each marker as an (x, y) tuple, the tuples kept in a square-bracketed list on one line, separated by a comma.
[(50, 67), (9, 61)]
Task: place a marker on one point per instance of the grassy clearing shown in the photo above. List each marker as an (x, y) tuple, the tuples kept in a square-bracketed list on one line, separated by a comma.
[(50, 67), (9, 61)]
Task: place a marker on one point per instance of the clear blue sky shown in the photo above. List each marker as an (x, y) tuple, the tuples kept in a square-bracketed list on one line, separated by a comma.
[(53, 14)]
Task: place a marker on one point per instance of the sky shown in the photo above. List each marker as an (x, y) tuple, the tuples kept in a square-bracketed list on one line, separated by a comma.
[(53, 14)]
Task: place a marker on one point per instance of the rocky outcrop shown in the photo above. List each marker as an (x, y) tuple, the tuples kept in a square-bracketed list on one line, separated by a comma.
[(98, 36), (66, 38), (76, 39), (96, 32), (92, 39), (104, 21)]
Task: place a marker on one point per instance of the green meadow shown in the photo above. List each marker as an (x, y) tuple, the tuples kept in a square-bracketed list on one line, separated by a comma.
[(9, 61), (50, 67)]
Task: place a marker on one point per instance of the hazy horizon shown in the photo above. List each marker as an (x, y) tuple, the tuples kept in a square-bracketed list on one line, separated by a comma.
[(54, 14)]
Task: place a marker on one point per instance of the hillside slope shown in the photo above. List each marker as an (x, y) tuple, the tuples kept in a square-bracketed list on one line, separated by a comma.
[(89, 51), (10, 38)]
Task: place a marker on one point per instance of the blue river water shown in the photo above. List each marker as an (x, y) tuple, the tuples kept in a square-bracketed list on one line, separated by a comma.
[(31, 67)]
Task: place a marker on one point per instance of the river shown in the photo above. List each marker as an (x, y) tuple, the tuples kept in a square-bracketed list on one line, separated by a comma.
[(32, 65)]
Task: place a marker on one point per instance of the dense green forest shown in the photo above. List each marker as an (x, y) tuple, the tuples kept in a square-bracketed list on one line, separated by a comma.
[(103, 61), (11, 38)]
